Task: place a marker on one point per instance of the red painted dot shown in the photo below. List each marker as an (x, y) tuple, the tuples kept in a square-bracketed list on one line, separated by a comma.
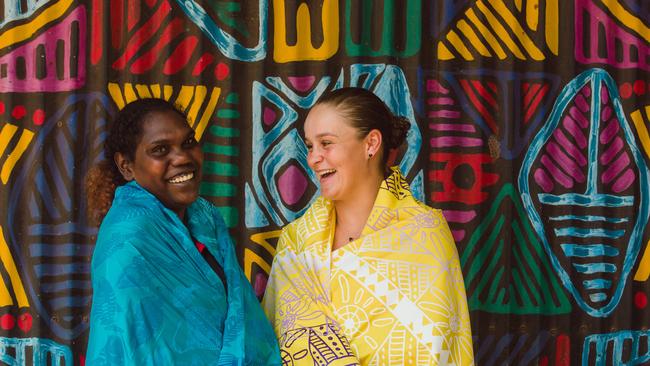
[(25, 322), (626, 90), (38, 117), (19, 112), (2, 108), (641, 300), (639, 87), (7, 322), (221, 71)]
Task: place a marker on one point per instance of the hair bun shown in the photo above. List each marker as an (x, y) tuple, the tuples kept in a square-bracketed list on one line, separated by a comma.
[(399, 128)]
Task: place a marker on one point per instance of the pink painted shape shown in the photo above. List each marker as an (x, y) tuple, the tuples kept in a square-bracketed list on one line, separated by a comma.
[(268, 116), (452, 127), (260, 284), (302, 83), (570, 147), (579, 117), (611, 151), (586, 90), (615, 168), (606, 113), (544, 181), (624, 181), (456, 141), (566, 163), (604, 95), (435, 87), (581, 102), (49, 38), (556, 173), (292, 185), (609, 132), (612, 32), (458, 235), (441, 101), (572, 127), (458, 216), (444, 114)]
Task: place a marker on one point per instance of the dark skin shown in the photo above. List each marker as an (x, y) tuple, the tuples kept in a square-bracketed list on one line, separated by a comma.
[(167, 161)]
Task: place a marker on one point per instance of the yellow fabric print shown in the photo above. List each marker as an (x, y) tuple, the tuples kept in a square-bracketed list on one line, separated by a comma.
[(394, 296)]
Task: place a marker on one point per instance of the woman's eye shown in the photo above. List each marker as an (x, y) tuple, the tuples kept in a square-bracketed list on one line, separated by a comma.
[(160, 149), (191, 141)]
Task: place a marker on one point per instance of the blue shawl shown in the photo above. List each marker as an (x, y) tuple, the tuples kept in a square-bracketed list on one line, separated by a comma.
[(157, 301)]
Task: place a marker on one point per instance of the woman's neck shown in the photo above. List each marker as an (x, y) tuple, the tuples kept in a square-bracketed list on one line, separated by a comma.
[(352, 214)]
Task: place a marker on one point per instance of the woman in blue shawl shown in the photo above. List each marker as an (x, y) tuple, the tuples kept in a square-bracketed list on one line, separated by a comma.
[(167, 285)]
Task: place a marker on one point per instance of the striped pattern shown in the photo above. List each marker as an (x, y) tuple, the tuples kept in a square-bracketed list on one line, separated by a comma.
[(13, 143), (501, 29), (198, 102), (220, 168), (13, 291)]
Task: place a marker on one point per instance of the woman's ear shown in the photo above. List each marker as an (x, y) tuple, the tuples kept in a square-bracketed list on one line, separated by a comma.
[(373, 142), (124, 165)]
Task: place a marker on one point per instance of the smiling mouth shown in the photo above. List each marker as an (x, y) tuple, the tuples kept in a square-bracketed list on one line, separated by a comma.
[(326, 173), (181, 178)]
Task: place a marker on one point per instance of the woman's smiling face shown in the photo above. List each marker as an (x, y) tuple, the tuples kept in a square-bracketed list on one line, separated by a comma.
[(167, 160)]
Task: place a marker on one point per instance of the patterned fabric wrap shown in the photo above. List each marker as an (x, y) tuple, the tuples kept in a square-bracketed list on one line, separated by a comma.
[(157, 302), (394, 296)]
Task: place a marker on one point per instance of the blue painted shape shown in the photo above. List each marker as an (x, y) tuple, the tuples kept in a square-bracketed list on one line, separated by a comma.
[(20, 9), (598, 284), (590, 218), (589, 250), (43, 352), (225, 42), (585, 200), (60, 250), (598, 297), (274, 148), (31, 189), (65, 286), (58, 303), (589, 233), (593, 268), (591, 197), (599, 344)]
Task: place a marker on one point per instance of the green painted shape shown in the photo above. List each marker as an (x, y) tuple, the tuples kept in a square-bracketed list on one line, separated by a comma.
[(217, 189), (230, 215), (221, 149), (224, 10), (228, 113), (221, 169), (224, 131), (533, 287), (413, 30), (232, 98)]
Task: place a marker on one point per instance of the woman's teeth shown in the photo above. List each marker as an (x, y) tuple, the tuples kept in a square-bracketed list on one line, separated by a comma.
[(328, 172), (182, 178)]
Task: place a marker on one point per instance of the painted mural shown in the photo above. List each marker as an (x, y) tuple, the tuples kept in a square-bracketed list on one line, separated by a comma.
[(529, 128)]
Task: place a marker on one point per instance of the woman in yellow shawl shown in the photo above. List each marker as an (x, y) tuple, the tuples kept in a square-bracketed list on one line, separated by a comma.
[(368, 275)]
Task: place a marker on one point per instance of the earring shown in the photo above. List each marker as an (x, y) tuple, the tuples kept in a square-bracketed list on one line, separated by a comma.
[(370, 155)]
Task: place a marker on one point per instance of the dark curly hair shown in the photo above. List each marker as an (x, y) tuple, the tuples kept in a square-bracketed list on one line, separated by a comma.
[(367, 112), (124, 134)]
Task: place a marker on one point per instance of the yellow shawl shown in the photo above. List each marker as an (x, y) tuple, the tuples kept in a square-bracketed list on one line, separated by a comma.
[(395, 296)]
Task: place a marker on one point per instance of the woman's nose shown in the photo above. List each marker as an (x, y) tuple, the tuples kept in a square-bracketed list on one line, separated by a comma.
[(181, 156), (313, 157)]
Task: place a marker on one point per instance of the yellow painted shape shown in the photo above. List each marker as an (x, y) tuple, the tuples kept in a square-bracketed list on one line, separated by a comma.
[(517, 29), (23, 32), (641, 129), (473, 38), (552, 26), (643, 272), (155, 90), (8, 131), (116, 93), (458, 44), (10, 267), (251, 257), (5, 297), (129, 93), (304, 49), (199, 97), (500, 30), (184, 97), (486, 33), (443, 52), (262, 239), (518, 4), (168, 90), (207, 113), (21, 146), (532, 14), (143, 91), (630, 20)]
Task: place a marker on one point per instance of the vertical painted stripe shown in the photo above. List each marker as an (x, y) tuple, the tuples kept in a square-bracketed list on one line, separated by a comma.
[(486, 33), (500, 30), (199, 97), (143, 91), (551, 26), (10, 267), (184, 96), (458, 44), (208, 112), (168, 90), (155, 90), (21, 146), (129, 93), (643, 272), (116, 94), (7, 132), (532, 14)]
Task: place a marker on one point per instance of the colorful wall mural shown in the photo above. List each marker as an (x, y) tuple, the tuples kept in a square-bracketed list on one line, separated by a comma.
[(530, 130)]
